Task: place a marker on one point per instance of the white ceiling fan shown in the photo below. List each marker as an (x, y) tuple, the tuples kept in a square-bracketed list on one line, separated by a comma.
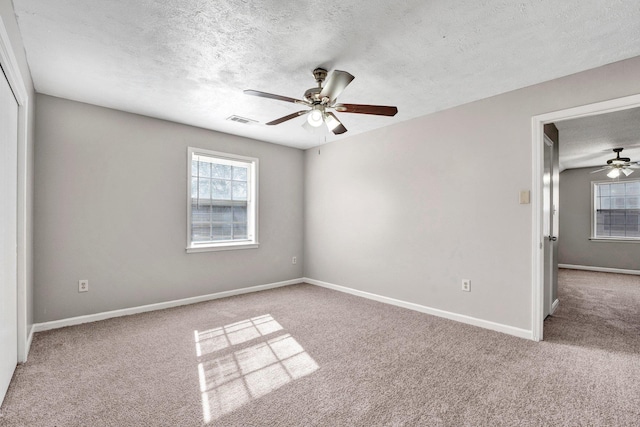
[(619, 165)]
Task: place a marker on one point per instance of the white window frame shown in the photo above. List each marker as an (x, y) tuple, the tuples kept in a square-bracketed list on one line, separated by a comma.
[(594, 237), (252, 202)]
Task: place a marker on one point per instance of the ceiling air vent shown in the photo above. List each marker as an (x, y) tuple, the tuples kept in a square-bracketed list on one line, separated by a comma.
[(242, 120)]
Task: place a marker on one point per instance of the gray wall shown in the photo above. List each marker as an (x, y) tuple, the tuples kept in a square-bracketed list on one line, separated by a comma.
[(110, 207), (575, 248), (25, 154), (409, 210)]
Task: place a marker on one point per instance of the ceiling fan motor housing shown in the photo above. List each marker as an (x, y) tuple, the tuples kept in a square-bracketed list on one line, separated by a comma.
[(618, 160), (312, 95), (320, 74)]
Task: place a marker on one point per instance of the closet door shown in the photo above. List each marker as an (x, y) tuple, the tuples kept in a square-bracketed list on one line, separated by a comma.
[(8, 234)]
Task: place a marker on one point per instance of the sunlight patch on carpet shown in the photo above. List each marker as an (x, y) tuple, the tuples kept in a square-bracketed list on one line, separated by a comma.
[(235, 333), (228, 381)]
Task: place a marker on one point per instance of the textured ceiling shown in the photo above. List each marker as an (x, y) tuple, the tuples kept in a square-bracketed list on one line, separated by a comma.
[(589, 141), (189, 60)]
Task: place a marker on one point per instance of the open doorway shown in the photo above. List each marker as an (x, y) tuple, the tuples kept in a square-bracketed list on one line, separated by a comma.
[(542, 260)]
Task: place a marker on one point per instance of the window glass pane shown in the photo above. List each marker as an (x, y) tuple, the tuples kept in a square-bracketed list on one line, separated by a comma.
[(200, 214), (602, 230), (200, 233), (221, 171), (194, 188), (221, 189), (204, 188), (239, 231), (221, 232), (603, 189), (605, 202), (221, 214), (617, 189), (194, 168), (633, 223), (204, 169), (240, 214), (239, 191), (633, 202), (617, 203), (617, 231), (603, 218), (632, 188), (239, 174), (618, 217)]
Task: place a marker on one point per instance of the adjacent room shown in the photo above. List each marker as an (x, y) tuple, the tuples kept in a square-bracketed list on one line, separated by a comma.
[(333, 214)]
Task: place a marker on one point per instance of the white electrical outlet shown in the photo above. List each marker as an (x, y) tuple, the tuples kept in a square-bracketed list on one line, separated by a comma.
[(83, 286), (294, 260), (466, 285)]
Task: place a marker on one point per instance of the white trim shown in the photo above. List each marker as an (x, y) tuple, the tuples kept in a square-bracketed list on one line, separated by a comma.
[(29, 340), (537, 123), (537, 229), (10, 66), (55, 324), (11, 70), (521, 333), (594, 237), (600, 269), (252, 201), (614, 240), (223, 247), (554, 306)]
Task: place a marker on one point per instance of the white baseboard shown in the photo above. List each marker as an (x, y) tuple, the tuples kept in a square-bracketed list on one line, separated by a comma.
[(521, 333), (600, 269), (55, 324), (554, 306)]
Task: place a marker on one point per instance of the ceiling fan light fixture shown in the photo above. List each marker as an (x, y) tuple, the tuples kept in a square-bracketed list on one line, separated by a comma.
[(331, 122), (614, 173), (315, 118), (627, 171)]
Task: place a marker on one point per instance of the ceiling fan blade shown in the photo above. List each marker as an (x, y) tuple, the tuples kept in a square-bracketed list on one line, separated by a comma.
[(600, 170), (272, 96), (334, 124), (378, 110), (335, 84), (285, 118)]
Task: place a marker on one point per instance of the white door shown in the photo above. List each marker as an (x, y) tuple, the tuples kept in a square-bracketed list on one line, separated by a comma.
[(549, 223), (8, 234)]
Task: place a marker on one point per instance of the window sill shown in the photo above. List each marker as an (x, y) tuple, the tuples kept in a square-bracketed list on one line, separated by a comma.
[(614, 240), (223, 247)]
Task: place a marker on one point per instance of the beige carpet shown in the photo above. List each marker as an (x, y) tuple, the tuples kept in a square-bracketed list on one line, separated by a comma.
[(308, 356)]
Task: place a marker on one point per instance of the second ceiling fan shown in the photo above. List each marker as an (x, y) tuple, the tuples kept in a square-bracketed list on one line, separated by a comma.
[(618, 165), (322, 99)]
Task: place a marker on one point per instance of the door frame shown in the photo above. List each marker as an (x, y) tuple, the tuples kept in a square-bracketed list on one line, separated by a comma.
[(537, 144), (11, 70), (548, 216)]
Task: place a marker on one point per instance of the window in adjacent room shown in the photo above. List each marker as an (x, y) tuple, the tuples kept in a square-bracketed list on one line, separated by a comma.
[(222, 206), (616, 210)]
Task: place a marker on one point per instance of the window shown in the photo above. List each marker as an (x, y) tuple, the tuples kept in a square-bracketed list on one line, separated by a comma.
[(616, 213), (222, 206)]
